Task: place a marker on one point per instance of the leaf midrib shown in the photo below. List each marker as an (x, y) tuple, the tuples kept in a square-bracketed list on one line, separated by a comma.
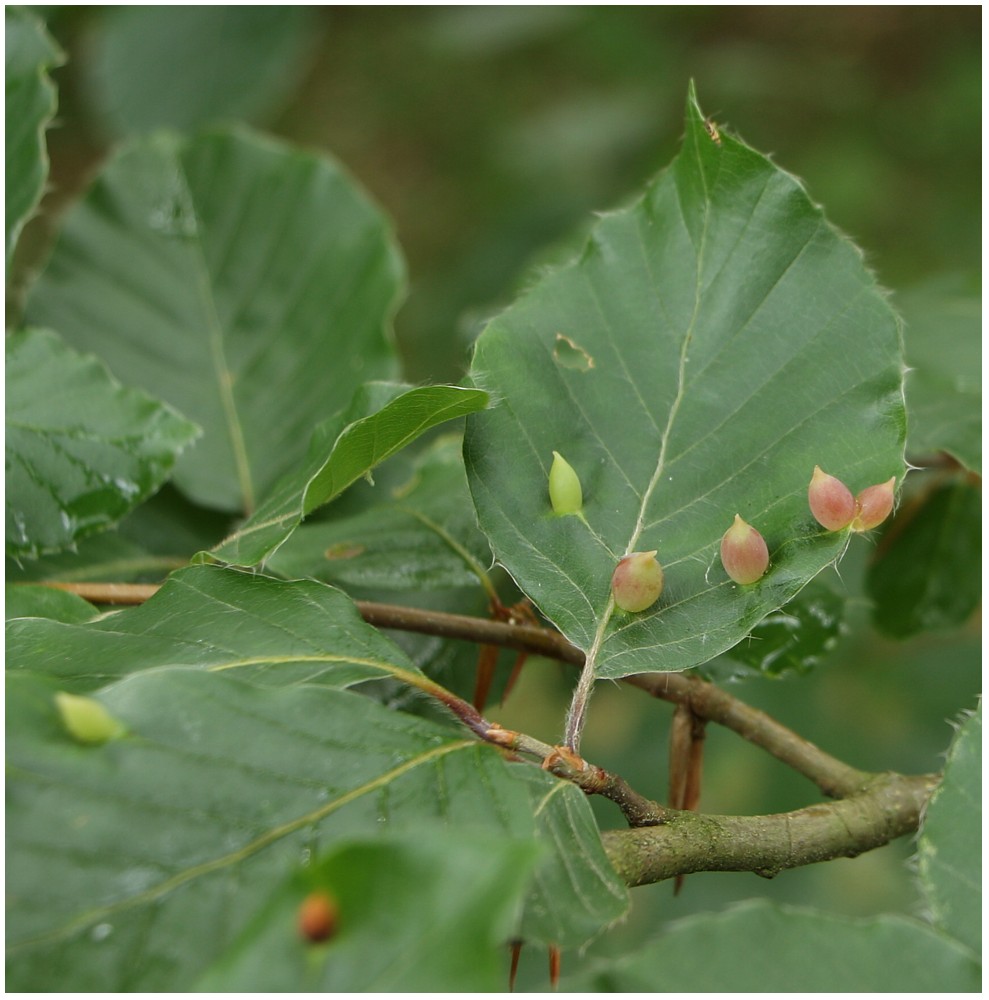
[(241, 854), (222, 372)]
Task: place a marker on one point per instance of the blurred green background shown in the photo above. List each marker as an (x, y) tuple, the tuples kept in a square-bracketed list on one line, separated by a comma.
[(491, 135)]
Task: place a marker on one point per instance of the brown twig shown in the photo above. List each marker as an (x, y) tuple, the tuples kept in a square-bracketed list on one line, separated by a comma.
[(889, 807), (832, 776), (663, 843)]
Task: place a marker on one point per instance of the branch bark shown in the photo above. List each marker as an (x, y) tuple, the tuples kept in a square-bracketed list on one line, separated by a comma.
[(889, 807), (662, 843)]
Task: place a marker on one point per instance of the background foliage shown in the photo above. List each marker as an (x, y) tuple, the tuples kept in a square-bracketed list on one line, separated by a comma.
[(490, 135)]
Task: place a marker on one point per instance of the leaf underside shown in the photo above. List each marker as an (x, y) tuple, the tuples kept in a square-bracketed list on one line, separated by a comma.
[(732, 341), (142, 860)]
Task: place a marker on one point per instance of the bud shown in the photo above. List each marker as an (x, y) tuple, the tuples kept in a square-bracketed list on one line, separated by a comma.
[(831, 501), (318, 914), (873, 505), (637, 581), (565, 493), (86, 719), (743, 552)]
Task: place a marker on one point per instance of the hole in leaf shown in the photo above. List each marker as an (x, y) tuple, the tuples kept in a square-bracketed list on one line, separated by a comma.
[(570, 355)]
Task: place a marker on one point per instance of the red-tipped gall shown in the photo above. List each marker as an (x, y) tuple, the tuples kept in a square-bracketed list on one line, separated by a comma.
[(873, 505), (831, 501), (637, 581), (317, 918), (744, 554)]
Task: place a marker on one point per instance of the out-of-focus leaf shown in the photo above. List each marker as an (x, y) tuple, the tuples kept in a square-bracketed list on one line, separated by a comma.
[(382, 419), (183, 67), (927, 571), (757, 947), (30, 105), (31, 601), (733, 341), (161, 535), (943, 338), (429, 913), (215, 619), (166, 843), (105, 557), (82, 450), (794, 638), (420, 535), (171, 525), (949, 854), (248, 284)]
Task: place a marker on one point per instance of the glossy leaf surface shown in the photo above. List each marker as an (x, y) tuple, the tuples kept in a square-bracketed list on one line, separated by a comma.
[(82, 450), (796, 638), (382, 419), (248, 284), (734, 341)]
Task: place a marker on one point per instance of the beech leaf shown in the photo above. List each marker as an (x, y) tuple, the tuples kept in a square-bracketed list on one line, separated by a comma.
[(734, 340), (949, 855), (382, 419), (166, 843), (82, 450), (30, 106), (248, 284)]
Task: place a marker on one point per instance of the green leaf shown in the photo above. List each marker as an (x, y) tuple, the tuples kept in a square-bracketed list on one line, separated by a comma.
[(31, 102), (757, 947), (82, 450), (420, 535), (381, 420), (166, 843), (793, 639), (734, 341), (927, 570), (105, 557), (161, 535), (949, 853), (218, 620), (248, 284), (30, 601), (186, 66), (470, 885), (943, 334)]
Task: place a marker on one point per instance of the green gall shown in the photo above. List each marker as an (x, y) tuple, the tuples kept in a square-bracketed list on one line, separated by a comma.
[(744, 554), (873, 505), (86, 719), (831, 501), (637, 581), (565, 493)]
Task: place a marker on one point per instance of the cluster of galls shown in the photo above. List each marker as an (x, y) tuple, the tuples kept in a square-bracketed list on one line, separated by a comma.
[(638, 578)]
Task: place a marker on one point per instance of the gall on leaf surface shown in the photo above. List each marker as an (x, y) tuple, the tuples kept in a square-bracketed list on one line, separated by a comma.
[(192, 824), (737, 340)]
